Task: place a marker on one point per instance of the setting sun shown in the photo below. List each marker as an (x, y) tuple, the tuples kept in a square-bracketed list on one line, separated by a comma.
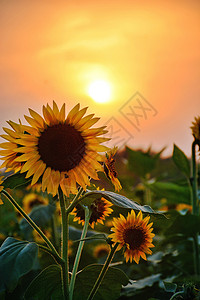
[(99, 91)]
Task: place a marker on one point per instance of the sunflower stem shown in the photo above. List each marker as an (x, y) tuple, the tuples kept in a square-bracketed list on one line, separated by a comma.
[(31, 222), (176, 294), (194, 184), (195, 207), (58, 259), (103, 272), (74, 201), (64, 246), (79, 251)]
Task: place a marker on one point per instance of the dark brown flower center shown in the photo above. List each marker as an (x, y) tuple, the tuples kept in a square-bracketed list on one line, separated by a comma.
[(98, 210), (134, 237), (61, 147)]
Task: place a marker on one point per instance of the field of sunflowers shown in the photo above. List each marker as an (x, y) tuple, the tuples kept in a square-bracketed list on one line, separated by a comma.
[(81, 221)]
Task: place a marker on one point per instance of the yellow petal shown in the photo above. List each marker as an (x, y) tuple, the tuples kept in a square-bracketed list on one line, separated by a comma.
[(38, 173), (37, 117)]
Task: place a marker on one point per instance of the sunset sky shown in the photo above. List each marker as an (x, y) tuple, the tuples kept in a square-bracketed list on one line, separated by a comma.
[(146, 51)]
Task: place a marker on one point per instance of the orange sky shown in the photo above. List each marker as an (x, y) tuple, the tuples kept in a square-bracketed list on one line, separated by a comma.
[(54, 49)]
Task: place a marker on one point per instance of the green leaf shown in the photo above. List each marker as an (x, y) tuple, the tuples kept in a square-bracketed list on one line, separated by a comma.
[(117, 200), (16, 259), (41, 215), (173, 192), (110, 287), (187, 225), (47, 285), (142, 283), (17, 180), (142, 163), (181, 161), (170, 286)]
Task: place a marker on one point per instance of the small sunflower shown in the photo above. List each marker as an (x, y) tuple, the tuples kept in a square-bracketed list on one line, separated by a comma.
[(60, 150), (100, 209), (101, 250), (196, 128), (109, 168), (134, 234), (32, 200)]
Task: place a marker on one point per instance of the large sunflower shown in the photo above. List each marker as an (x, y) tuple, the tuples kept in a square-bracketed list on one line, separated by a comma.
[(60, 150), (100, 209), (134, 235)]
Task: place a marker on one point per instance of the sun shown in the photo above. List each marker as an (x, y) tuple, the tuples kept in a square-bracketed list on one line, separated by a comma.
[(99, 91)]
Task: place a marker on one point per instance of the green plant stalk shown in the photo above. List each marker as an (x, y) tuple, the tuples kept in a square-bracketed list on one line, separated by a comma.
[(31, 222), (196, 254), (79, 251), (103, 272), (64, 246), (176, 294), (75, 200), (58, 259), (195, 208)]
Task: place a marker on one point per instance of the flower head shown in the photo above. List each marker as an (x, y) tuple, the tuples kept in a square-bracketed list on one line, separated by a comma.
[(32, 200), (134, 235), (62, 151), (109, 168), (101, 250), (196, 128), (100, 208)]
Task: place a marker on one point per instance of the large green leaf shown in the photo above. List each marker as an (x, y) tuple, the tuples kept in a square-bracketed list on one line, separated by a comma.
[(173, 192), (117, 200), (142, 163), (41, 215), (110, 287), (16, 259), (187, 225), (16, 180), (47, 285), (181, 161)]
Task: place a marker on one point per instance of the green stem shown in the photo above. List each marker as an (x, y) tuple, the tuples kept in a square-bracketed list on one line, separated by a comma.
[(195, 208), (103, 272), (79, 251), (58, 259), (30, 221), (196, 254), (176, 294), (64, 246), (75, 200)]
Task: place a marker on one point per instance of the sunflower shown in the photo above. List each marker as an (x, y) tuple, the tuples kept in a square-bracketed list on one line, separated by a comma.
[(109, 168), (134, 235), (101, 250), (196, 128), (11, 147), (100, 208), (32, 200), (60, 150)]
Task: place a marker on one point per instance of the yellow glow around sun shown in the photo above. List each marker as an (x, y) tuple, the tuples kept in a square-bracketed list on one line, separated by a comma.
[(100, 91)]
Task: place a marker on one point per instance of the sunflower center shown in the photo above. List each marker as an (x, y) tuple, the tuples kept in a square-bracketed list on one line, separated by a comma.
[(98, 210), (61, 147), (134, 237)]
